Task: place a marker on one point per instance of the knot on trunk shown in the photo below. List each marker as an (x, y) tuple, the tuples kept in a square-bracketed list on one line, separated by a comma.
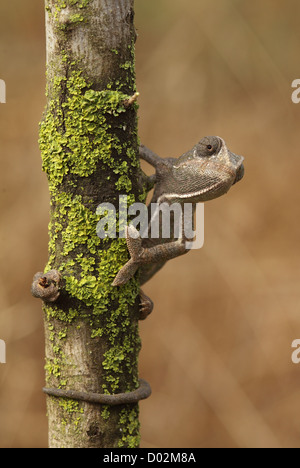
[(45, 286)]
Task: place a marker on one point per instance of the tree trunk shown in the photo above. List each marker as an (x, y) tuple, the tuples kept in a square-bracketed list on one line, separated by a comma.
[(89, 145)]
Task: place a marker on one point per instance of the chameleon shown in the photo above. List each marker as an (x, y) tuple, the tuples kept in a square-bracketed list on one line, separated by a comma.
[(204, 173)]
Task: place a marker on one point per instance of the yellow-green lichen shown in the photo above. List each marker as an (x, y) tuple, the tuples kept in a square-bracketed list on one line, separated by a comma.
[(62, 4), (105, 412), (75, 136), (71, 412), (76, 18), (129, 426), (53, 367)]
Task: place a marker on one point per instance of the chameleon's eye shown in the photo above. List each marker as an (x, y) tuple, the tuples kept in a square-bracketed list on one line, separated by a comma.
[(208, 146)]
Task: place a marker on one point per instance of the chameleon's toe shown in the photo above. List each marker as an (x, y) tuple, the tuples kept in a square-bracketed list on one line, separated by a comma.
[(146, 306)]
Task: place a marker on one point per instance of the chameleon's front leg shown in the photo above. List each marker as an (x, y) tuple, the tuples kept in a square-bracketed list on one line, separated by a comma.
[(147, 155), (151, 158)]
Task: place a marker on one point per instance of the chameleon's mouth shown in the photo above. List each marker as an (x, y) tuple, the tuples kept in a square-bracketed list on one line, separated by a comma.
[(239, 174), (237, 162)]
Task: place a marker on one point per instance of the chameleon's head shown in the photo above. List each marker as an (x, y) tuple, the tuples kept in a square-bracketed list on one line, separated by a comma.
[(208, 170), (214, 148)]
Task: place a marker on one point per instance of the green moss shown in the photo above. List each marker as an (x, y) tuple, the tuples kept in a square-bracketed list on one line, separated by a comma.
[(53, 312), (76, 18), (129, 67), (105, 413), (56, 349), (80, 3), (53, 367), (73, 140), (129, 426), (126, 66), (62, 334), (70, 406), (78, 228), (61, 4), (75, 137), (124, 184), (121, 358), (71, 412)]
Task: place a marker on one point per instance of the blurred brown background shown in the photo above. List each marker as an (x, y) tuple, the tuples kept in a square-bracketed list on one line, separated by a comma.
[(217, 348)]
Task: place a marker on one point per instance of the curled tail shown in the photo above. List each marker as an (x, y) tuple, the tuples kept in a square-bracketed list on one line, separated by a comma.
[(134, 244)]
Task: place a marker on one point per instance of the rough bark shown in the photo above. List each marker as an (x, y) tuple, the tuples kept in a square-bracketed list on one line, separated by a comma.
[(89, 145)]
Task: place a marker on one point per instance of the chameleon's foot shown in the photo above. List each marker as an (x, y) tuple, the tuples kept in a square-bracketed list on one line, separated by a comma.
[(146, 306), (134, 244)]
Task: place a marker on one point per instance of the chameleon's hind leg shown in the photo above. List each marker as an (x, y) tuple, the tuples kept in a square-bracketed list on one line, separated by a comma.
[(146, 306)]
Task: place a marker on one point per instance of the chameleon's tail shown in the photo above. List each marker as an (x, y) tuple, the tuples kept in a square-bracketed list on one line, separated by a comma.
[(134, 244)]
